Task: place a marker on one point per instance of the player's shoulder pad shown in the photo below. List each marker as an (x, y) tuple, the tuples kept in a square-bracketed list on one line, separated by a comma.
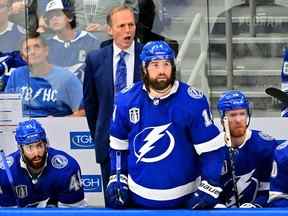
[(282, 146), (60, 160), (10, 162), (265, 136), (195, 93), (129, 92), (127, 88)]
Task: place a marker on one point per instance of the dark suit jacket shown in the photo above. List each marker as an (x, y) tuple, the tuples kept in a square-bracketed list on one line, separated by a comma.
[(98, 90)]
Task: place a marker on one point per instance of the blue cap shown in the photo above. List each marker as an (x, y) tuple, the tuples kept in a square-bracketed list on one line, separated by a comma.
[(156, 50), (30, 131), (232, 100)]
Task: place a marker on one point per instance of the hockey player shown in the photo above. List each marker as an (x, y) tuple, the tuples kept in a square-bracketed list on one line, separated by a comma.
[(9, 62), (163, 154), (284, 82), (278, 195), (41, 174), (68, 47), (248, 157)]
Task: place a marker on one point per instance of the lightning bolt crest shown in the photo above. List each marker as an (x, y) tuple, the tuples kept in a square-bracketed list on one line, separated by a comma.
[(151, 138)]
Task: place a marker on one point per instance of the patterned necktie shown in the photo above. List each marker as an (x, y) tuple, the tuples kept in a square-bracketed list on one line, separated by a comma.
[(121, 73)]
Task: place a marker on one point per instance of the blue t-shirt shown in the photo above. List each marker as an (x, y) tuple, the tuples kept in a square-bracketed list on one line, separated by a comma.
[(58, 93)]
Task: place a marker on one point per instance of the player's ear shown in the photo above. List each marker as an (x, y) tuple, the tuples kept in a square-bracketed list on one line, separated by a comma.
[(144, 68), (109, 30)]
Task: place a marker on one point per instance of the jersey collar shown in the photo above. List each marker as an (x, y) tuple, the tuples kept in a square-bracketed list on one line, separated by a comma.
[(9, 28), (172, 91), (248, 135)]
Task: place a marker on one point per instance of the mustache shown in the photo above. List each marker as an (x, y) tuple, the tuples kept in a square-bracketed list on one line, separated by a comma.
[(37, 158)]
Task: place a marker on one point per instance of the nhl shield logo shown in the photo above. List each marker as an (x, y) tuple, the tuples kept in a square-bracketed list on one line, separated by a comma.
[(134, 115), (21, 191)]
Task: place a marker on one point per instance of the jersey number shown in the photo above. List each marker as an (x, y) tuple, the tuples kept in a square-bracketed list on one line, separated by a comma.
[(75, 183), (207, 118)]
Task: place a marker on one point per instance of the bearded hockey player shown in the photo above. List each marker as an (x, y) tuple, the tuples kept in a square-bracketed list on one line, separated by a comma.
[(41, 175), (248, 156), (165, 151)]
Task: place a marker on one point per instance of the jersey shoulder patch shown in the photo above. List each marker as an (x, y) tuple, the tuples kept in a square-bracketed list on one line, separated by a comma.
[(10, 161), (59, 161), (195, 93), (265, 136)]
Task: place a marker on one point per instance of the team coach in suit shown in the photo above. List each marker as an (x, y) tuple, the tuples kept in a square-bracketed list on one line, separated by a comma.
[(100, 80)]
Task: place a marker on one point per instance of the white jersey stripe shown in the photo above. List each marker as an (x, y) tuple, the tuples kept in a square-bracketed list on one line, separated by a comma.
[(213, 144), (163, 194), (118, 144)]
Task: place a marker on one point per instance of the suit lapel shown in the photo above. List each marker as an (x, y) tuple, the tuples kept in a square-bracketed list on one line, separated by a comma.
[(137, 62)]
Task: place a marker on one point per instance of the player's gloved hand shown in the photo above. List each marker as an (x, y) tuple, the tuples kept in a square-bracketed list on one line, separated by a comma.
[(117, 191), (205, 197), (5, 62), (10, 60), (250, 205)]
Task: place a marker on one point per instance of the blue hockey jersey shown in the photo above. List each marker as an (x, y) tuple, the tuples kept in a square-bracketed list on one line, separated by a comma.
[(278, 196), (72, 54), (172, 144), (59, 181), (284, 81), (253, 165), (58, 93)]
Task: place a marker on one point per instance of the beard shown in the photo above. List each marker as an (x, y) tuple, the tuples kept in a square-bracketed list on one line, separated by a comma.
[(36, 162), (159, 84), (238, 132)]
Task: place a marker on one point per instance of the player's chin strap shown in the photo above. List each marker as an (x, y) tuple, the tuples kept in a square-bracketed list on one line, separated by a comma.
[(33, 175), (228, 142)]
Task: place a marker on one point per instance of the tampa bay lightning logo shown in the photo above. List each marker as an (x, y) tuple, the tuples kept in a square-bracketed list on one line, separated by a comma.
[(9, 161), (194, 93), (59, 161), (153, 144), (247, 187)]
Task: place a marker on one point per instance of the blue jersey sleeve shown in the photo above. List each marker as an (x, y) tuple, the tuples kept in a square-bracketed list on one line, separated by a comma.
[(278, 196), (119, 126), (204, 133), (208, 141), (70, 190), (7, 197), (284, 80), (264, 169)]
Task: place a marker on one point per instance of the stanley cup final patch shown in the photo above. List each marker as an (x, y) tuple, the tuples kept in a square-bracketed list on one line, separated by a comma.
[(134, 115)]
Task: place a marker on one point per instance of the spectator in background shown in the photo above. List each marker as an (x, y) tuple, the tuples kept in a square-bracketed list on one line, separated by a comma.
[(17, 12), (98, 10), (68, 47), (108, 70), (10, 33), (46, 90), (10, 37)]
